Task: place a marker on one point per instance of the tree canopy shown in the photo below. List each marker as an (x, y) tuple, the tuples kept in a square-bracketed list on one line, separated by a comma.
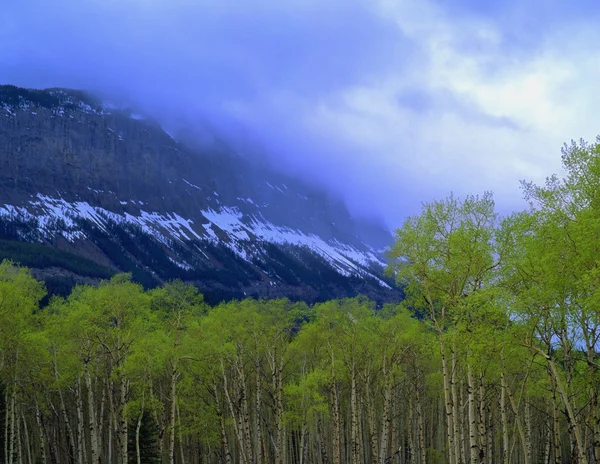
[(492, 357)]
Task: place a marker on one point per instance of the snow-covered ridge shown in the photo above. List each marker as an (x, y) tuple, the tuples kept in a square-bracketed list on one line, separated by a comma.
[(243, 234), (343, 257)]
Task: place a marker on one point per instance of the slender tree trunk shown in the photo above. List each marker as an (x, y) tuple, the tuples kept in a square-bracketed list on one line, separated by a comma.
[(556, 427), (70, 435), (246, 422), (303, 445), (322, 442), (38, 417), (92, 418), (278, 391), (224, 441), (225, 449), (596, 423), (6, 423), (160, 425), (420, 427), (337, 427), (138, 427), (354, 440), (81, 441), (13, 400), (237, 421), (450, 435), (482, 422), (548, 444), (63, 411), (372, 426), (112, 420), (520, 427), (174, 376), (504, 420), (473, 429), (395, 440), (528, 431), (258, 441), (456, 415), (181, 441), (27, 441), (490, 428), (581, 455), (463, 425), (411, 431), (385, 422), (362, 433), (124, 426), (18, 438)]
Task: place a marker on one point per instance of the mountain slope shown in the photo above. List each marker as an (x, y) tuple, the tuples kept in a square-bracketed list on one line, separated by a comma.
[(113, 188)]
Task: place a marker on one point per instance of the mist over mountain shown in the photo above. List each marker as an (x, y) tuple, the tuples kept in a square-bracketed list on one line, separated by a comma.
[(386, 104), (113, 189)]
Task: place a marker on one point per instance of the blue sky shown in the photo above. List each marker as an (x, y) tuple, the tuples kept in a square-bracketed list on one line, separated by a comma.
[(388, 102)]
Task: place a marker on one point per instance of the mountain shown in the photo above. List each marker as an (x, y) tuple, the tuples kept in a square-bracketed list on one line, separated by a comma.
[(88, 189)]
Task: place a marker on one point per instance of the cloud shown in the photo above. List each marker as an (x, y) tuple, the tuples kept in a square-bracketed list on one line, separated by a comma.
[(387, 102)]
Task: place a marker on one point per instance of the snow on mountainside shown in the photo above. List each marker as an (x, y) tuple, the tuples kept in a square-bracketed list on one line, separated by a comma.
[(48, 212), (112, 187)]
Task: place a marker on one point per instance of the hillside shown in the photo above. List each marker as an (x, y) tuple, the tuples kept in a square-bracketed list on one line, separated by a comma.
[(111, 188)]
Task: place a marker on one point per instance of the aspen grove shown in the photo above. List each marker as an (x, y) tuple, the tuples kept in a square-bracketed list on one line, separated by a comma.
[(492, 357)]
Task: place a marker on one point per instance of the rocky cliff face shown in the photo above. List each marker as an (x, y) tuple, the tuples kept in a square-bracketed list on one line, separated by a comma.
[(113, 188)]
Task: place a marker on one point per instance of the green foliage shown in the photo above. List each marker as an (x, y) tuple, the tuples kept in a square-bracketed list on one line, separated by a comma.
[(507, 334), (307, 398), (446, 254)]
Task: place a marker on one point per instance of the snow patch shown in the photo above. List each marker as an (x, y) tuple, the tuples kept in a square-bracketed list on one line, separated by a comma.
[(166, 227), (346, 259), (191, 185)]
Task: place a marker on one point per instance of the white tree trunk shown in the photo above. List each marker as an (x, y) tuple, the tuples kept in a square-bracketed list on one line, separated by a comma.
[(448, 400), (385, 423), (172, 417), (13, 400), (504, 420), (38, 418), (124, 427), (473, 429), (92, 418), (81, 448), (27, 441)]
